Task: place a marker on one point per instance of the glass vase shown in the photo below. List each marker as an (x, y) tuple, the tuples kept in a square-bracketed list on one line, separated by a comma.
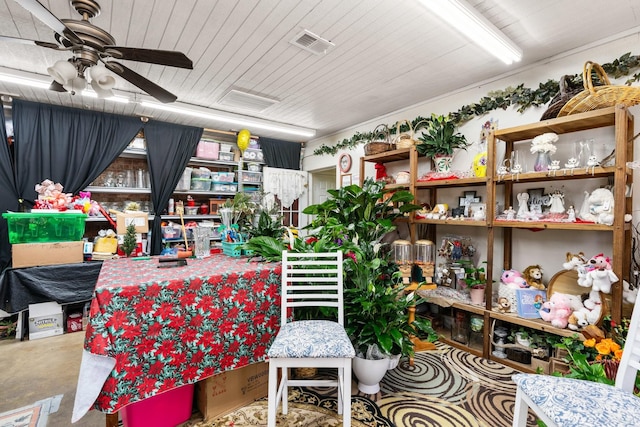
[(543, 160)]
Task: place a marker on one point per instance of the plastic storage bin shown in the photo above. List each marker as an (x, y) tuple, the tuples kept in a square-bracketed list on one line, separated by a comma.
[(227, 157), (167, 409), (185, 182), (253, 177), (200, 184), (208, 150), (223, 176), (33, 227), (224, 187), (253, 167), (203, 173), (253, 154)]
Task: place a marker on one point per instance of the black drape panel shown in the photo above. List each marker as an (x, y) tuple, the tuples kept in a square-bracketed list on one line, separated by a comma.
[(8, 192), (281, 154), (169, 148), (66, 145)]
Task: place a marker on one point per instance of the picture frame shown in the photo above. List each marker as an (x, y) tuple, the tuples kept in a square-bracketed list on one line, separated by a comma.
[(475, 207), (345, 180), (536, 200)]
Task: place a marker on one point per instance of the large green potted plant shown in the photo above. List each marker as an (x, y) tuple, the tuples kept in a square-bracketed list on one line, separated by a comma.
[(439, 140), (355, 219)]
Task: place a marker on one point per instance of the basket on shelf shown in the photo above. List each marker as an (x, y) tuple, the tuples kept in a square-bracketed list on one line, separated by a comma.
[(561, 98), (404, 139), (566, 282), (379, 141), (596, 97)]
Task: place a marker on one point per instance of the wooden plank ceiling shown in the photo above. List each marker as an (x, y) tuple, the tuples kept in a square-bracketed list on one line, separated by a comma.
[(388, 54)]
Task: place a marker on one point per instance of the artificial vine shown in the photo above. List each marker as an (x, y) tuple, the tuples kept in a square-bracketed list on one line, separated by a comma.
[(519, 96)]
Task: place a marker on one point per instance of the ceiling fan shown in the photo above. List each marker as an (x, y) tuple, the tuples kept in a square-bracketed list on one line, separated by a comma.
[(91, 47)]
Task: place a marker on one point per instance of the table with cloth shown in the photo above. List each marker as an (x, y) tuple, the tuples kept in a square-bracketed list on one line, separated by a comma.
[(153, 329)]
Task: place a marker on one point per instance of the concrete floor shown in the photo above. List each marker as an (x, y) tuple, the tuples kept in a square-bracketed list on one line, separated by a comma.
[(39, 369)]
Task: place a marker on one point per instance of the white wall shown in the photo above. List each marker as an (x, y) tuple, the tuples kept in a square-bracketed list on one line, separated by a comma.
[(546, 248)]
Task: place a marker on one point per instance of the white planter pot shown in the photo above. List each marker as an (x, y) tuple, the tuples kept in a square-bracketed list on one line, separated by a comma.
[(393, 361), (369, 373)]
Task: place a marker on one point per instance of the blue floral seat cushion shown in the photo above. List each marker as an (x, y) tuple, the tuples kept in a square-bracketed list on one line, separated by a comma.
[(570, 402), (312, 339)]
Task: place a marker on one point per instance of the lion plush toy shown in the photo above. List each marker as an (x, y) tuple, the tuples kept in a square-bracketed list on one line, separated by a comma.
[(533, 276)]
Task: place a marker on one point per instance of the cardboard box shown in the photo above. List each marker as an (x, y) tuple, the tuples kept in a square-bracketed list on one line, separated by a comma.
[(140, 219), (529, 302), (37, 254), (231, 390), (45, 320)]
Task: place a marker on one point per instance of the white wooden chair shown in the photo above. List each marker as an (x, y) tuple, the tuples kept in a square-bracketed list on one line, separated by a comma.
[(565, 402), (311, 280)]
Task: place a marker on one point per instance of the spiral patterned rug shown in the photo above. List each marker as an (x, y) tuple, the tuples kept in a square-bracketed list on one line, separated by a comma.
[(448, 387), (445, 387)]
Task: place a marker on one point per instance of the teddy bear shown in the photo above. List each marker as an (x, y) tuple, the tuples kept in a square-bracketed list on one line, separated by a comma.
[(578, 320), (593, 307), (557, 310), (598, 207), (533, 276), (513, 279)]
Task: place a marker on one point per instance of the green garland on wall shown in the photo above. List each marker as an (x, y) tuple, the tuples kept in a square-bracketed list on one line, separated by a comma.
[(519, 96)]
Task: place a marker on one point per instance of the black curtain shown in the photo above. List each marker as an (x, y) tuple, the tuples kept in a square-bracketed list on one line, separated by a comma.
[(8, 193), (66, 145), (281, 154), (169, 148)]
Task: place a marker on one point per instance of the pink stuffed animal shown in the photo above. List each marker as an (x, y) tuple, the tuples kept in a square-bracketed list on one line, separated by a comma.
[(557, 310), (513, 279)]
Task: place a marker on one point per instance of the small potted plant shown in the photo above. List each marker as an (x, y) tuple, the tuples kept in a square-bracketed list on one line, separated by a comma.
[(476, 281), (439, 140)]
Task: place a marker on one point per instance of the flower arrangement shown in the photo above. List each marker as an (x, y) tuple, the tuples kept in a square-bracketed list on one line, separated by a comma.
[(544, 143), (51, 196)]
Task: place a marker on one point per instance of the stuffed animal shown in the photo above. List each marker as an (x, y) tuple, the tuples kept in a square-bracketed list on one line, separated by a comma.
[(578, 320), (533, 276), (513, 279), (504, 306), (573, 261), (628, 294), (601, 280), (599, 262), (598, 207), (593, 307), (557, 310)]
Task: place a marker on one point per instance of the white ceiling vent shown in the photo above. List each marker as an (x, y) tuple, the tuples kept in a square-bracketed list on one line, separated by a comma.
[(246, 101), (312, 43)]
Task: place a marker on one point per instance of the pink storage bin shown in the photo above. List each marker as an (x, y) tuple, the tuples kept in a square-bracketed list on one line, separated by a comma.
[(163, 410), (208, 150)]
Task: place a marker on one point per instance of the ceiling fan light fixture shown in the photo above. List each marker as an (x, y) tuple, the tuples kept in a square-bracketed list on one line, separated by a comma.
[(101, 77), (62, 71), (100, 91), (76, 85)]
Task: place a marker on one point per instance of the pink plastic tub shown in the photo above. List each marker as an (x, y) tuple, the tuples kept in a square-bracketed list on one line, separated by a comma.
[(163, 410)]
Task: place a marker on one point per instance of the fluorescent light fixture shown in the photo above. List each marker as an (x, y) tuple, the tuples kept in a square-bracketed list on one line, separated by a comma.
[(25, 81), (249, 122), (115, 98), (464, 18)]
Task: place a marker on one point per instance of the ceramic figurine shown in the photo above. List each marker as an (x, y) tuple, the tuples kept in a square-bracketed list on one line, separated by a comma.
[(523, 205)]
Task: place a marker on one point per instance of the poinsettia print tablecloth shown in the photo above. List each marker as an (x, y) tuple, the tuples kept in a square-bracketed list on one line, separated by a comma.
[(161, 328)]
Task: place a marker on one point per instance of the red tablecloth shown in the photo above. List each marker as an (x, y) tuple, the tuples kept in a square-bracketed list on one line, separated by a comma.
[(166, 327)]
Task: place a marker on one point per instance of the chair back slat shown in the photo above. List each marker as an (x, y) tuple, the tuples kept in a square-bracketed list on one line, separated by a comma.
[(312, 280), (630, 362)]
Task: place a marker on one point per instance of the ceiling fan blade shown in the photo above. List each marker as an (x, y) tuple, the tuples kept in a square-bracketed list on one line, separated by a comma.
[(152, 56), (27, 41), (43, 14), (143, 83), (56, 87)]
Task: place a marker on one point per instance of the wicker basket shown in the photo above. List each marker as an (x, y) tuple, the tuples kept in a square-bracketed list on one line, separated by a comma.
[(406, 139), (566, 282), (607, 95), (379, 141), (562, 97)]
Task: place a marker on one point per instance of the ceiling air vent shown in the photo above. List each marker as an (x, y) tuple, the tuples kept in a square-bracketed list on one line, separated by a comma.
[(312, 43), (246, 101)]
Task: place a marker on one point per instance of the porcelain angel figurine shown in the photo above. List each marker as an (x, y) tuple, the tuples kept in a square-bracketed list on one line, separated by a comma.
[(556, 202), (523, 205)]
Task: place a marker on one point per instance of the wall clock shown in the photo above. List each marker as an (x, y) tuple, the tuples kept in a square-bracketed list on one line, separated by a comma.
[(345, 163)]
